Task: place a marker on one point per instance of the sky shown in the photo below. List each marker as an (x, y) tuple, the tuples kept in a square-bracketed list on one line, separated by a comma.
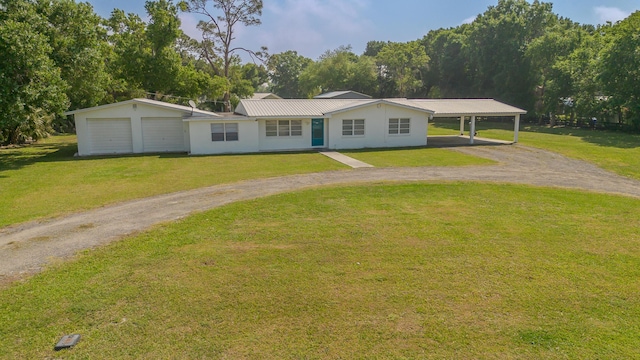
[(312, 27)]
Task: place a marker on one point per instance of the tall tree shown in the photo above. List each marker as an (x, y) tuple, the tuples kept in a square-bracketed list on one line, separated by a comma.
[(218, 32), (79, 48), (284, 72), (448, 71), (551, 63), (402, 64), (339, 69), (620, 68), (147, 57), (497, 42), (31, 89)]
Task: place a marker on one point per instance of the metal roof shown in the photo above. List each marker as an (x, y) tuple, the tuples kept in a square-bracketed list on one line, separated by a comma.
[(324, 107), (294, 107), (341, 95), (156, 103), (260, 96), (467, 107)]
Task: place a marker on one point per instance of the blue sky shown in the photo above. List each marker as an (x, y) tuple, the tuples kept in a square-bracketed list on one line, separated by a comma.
[(311, 27)]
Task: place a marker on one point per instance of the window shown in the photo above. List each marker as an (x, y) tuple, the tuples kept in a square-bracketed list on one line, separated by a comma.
[(224, 132), (399, 126), (353, 127), (284, 127)]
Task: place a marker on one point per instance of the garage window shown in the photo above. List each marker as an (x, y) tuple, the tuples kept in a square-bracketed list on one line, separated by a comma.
[(284, 127), (399, 126), (224, 132), (353, 127)]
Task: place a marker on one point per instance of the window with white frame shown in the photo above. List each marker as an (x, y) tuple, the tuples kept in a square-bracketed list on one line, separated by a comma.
[(353, 127), (224, 132), (284, 127), (399, 126)]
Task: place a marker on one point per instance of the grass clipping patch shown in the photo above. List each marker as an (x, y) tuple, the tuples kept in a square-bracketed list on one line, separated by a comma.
[(391, 271)]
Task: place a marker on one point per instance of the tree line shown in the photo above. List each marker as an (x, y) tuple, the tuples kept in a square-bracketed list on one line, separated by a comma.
[(59, 55)]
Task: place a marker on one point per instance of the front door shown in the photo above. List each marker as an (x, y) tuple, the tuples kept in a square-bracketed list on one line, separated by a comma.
[(317, 132)]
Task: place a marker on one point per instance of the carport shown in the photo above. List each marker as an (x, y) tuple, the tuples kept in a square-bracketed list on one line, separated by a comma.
[(471, 109)]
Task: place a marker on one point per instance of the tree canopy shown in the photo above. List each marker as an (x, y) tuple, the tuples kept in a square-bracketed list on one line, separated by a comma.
[(60, 55)]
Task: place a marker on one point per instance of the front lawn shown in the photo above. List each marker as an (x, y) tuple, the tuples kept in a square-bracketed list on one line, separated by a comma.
[(450, 271), (44, 179), (415, 157)]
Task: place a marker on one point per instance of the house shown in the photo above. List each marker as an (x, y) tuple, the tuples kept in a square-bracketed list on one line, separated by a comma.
[(141, 125), (261, 96), (342, 95)]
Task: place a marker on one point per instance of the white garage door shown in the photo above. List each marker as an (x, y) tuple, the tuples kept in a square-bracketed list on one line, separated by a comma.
[(162, 135), (110, 136)]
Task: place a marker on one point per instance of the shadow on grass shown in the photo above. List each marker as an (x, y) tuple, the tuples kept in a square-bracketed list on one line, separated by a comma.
[(22, 156)]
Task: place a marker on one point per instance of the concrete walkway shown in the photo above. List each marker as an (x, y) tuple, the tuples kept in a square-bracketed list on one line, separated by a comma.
[(349, 161)]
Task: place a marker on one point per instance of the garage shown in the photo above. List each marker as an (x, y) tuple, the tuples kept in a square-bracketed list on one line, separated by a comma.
[(163, 135), (110, 136), (134, 126)]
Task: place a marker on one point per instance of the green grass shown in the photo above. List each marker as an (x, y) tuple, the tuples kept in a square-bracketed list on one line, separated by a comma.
[(415, 157), (389, 271), (45, 180), (614, 151)]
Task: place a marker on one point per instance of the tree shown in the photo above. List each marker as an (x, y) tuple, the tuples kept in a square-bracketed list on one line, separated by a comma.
[(31, 89), (339, 69), (78, 43), (402, 64), (284, 72), (497, 41), (448, 71), (620, 68), (147, 57), (552, 66), (218, 32)]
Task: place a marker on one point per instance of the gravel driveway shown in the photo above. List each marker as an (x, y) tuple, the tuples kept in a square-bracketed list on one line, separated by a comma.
[(26, 248)]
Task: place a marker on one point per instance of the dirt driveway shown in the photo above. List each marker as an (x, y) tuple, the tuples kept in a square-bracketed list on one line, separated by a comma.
[(26, 248)]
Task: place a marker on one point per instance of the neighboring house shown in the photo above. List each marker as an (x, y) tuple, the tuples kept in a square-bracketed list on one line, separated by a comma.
[(342, 95), (141, 125), (261, 96)]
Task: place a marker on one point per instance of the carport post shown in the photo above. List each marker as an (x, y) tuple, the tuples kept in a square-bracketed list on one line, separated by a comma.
[(461, 125), (472, 129), (516, 128)]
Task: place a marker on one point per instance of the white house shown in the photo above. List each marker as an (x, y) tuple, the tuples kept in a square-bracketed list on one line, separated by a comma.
[(141, 125)]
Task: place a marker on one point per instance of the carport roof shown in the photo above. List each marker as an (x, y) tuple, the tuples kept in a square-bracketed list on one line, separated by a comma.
[(468, 107)]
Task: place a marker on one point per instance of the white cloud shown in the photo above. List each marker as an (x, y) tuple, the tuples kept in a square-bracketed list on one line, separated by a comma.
[(611, 14), (469, 20), (189, 25), (313, 26)]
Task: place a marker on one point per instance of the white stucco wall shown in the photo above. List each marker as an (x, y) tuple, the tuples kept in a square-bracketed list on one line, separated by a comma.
[(275, 143), (201, 143), (377, 128), (135, 112)]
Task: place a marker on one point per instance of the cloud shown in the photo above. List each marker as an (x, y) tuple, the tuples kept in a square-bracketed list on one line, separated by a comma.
[(313, 26), (469, 20), (611, 14), (189, 25)]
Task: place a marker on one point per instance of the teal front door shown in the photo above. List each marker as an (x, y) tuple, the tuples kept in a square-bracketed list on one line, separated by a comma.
[(317, 132)]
